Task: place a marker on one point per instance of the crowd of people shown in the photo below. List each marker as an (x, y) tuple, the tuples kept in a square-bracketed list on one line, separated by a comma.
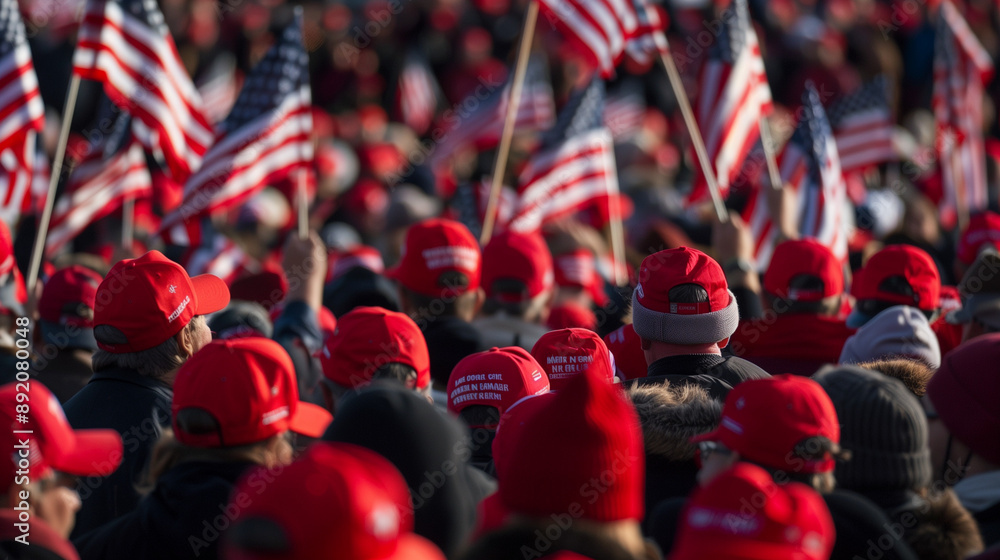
[(389, 387)]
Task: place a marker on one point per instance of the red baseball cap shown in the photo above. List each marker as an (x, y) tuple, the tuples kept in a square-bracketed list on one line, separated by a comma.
[(367, 338), (51, 443), (742, 514), (267, 287), (66, 308), (248, 385), (336, 501), (434, 247), (339, 262), (518, 256), (982, 229), (499, 377), (765, 419), (913, 264), (579, 269), (626, 347), (803, 257), (655, 317), (151, 298), (567, 352), (571, 315)]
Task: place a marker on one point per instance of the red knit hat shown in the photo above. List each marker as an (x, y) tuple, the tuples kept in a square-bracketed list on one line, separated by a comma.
[(432, 248), (982, 229), (336, 501), (499, 377), (965, 394), (655, 317), (742, 514), (765, 419), (800, 257), (518, 256), (151, 298), (579, 452), (565, 353), (248, 386), (367, 338), (626, 346), (912, 263)]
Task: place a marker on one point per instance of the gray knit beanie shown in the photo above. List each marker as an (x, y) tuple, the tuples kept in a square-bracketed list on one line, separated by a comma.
[(884, 428)]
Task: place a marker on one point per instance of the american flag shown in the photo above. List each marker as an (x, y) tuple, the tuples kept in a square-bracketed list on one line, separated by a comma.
[(733, 95), (471, 200), (126, 45), (575, 165), (961, 67), (624, 110), (16, 180), (478, 123), (598, 29), (22, 110), (113, 170), (862, 125), (218, 255), (264, 140), (218, 87), (648, 40), (810, 166), (417, 94)]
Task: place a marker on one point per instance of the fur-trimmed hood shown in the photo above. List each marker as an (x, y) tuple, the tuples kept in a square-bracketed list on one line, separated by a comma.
[(672, 415), (941, 529)]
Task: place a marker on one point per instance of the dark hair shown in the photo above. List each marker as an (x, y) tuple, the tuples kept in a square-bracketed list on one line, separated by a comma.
[(809, 283), (154, 362), (395, 372), (511, 287), (428, 308), (896, 284), (687, 293), (480, 415), (810, 449), (514, 541)]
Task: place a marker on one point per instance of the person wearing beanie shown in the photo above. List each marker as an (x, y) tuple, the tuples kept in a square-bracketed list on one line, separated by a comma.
[(801, 329), (670, 416), (484, 386), (602, 494), (684, 315), (964, 429), (235, 406), (788, 425), (430, 449), (149, 318), (336, 501), (438, 276), (519, 284), (885, 428), (744, 515), (371, 344), (38, 503), (565, 353), (66, 345), (898, 332)]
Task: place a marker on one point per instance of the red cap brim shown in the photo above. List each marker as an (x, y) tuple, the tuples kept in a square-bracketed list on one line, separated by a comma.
[(91, 453), (414, 547), (310, 420), (212, 293), (714, 435)]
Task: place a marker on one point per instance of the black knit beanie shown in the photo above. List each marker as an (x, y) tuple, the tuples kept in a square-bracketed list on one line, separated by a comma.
[(884, 428)]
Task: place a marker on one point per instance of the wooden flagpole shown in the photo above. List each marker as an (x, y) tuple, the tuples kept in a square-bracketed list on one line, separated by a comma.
[(503, 151), (772, 162), (303, 205), (50, 198), (696, 139), (128, 224)]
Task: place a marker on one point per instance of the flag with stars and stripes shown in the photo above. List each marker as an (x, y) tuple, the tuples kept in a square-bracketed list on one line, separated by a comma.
[(625, 109), (648, 40), (862, 124), (597, 29), (125, 44), (477, 122), (417, 94), (810, 167), (733, 96), (218, 88), (574, 166), (961, 68), (22, 109), (112, 170), (265, 139)]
